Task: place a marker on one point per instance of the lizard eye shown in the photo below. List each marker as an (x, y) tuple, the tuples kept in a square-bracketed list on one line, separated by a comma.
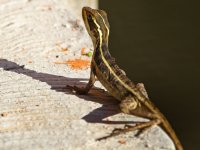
[(89, 17)]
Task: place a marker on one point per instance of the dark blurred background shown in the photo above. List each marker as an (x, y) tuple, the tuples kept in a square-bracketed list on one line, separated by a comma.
[(158, 43)]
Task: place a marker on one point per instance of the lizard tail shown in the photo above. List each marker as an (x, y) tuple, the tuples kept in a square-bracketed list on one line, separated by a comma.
[(165, 125)]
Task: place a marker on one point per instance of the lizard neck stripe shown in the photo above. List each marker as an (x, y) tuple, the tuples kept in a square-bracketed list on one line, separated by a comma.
[(106, 63), (104, 24)]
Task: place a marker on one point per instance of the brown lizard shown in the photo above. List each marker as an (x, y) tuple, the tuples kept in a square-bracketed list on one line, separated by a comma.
[(132, 99)]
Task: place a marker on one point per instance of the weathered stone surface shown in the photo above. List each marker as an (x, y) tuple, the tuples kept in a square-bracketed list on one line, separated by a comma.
[(36, 109)]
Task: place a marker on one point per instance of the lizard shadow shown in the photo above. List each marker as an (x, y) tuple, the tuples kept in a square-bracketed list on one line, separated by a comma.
[(58, 83)]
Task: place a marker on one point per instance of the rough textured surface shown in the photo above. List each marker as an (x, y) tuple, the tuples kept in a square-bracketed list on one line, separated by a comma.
[(36, 109)]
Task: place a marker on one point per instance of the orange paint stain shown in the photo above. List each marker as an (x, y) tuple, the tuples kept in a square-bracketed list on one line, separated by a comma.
[(64, 49), (83, 51), (122, 141), (76, 64)]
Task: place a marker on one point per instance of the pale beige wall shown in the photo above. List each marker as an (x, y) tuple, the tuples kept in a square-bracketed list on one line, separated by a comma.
[(77, 5)]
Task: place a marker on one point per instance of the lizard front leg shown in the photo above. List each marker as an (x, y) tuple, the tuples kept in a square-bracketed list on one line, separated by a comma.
[(89, 85)]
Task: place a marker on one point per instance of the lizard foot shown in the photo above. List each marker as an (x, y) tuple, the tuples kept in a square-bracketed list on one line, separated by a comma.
[(127, 128), (79, 91)]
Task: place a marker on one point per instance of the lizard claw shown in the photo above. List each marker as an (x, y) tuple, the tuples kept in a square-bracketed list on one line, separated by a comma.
[(126, 126), (116, 130), (69, 87), (79, 91)]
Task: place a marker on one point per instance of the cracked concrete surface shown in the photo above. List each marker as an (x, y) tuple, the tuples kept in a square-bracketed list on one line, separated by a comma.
[(37, 111)]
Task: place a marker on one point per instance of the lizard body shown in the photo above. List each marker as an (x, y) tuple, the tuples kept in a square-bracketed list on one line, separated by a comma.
[(103, 66)]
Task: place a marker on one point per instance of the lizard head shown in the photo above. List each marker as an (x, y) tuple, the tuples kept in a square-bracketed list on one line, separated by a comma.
[(96, 23)]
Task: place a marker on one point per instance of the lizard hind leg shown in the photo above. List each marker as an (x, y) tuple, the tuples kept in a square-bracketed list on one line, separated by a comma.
[(129, 104), (140, 126)]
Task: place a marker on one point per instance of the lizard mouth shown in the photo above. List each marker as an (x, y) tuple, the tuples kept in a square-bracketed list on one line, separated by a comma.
[(92, 28)]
